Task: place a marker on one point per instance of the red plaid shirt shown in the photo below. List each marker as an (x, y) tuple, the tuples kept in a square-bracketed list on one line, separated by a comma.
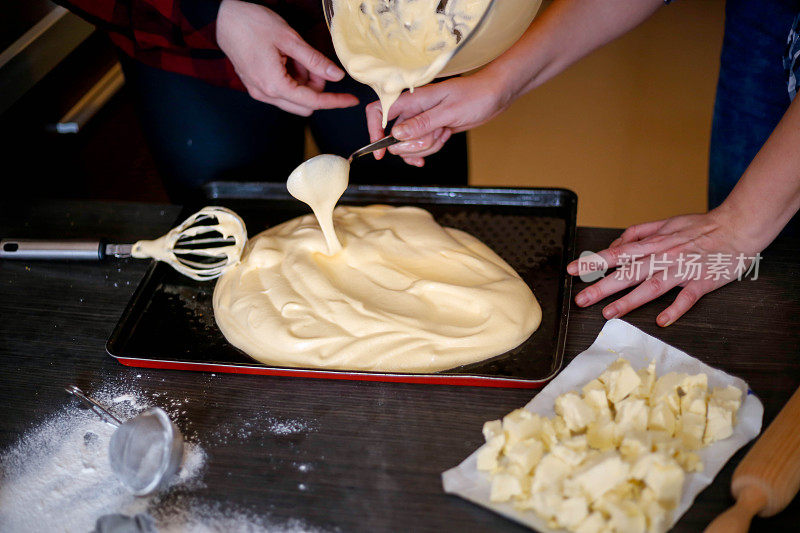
[(173, 35)]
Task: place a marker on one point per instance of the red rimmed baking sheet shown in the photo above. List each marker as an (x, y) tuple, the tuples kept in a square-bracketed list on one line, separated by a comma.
[(169, 322)]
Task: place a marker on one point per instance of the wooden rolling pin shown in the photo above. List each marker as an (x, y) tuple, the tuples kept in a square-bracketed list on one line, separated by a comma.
[(768, 477)]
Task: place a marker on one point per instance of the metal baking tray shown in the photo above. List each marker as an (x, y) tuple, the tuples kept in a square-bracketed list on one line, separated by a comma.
[(169, 321)]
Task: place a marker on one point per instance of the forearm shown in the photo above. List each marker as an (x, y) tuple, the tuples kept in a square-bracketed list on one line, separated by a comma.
[(566, 32), (768, 194)]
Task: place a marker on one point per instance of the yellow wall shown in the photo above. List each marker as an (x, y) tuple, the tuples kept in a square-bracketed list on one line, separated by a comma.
[(627, 128)]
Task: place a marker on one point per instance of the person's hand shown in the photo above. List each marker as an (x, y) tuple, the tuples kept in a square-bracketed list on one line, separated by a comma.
[(275, 64), (700, 253), (428, 117)]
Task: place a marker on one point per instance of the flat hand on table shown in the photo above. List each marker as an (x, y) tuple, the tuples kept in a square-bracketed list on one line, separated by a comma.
[(428, 117), (666, 250), (275, 64)]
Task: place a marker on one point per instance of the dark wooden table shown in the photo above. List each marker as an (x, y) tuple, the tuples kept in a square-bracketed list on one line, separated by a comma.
[(377, 449)]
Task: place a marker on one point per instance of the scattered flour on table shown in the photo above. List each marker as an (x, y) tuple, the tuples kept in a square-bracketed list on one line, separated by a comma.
[(260, 426), (57, 476)]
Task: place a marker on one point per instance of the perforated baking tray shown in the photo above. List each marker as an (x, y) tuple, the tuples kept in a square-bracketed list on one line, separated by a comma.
[(169, 321)]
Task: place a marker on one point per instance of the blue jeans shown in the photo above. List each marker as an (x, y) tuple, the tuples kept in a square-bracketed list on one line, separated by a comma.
[(752, 94)]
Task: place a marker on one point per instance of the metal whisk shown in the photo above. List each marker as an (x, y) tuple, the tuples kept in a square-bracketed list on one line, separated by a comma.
[(202, 247)]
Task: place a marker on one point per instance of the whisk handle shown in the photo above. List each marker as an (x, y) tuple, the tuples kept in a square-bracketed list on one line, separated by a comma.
[(65, 250)]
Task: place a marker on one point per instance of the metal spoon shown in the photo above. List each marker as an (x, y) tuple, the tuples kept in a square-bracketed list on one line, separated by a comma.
[(386, 142), (145, 451)]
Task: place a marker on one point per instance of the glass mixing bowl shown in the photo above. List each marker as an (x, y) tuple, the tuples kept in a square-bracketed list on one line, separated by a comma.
[(501, 26)]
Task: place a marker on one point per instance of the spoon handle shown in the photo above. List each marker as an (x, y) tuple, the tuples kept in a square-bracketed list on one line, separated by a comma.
[(101, 411), (377, 145)]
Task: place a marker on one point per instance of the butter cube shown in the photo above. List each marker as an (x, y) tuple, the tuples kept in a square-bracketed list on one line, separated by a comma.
[(492, 429), (693, 401), (596, 399), (569, 455), (594, 523), (600, 434), (545, 502), (663, 475), (489, 453), (666, 391), (550, 472), (525, 454), (521, 424), (729, 398), (634, 445), (505, 487), (689, 461), (691, 428), (561, 429), (657, 517), (595, 384), (661, 418), (631, 415), (620, 380), (577, 414), (601, 474), (648, 377), (547, 433), (719, 424), (577, 443), (694, 381), (625, 517), (572, 512)]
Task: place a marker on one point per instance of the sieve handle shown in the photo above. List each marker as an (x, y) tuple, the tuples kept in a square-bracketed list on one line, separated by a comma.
[(73, 250), (98, 409)]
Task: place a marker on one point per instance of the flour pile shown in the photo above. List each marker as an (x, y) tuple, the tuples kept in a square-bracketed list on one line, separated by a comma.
[(57, 477)]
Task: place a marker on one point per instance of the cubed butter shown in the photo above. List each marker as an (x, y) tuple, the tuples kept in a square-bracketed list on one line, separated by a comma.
[(576, 413), (525, 454), (694, 400), (600, 434), (719, 424), (521, 424), (598, 401), (614, 458), (601, 474), (594, 523), (572, 512), (729, 398), (648, 377), (550, 472), (663, 475), (489, 453), (661, 418), (625, 517), (666, 391), (691, 428), (492, 429), (631, 415), (569, 455), (634, 445), (561, 429), (620, 380), (504, 487)]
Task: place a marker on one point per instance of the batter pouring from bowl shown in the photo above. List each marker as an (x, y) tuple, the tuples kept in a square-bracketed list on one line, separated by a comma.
[(392, 45)]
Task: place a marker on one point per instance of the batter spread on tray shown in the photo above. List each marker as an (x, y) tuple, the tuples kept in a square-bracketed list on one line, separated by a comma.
[(403, 294)]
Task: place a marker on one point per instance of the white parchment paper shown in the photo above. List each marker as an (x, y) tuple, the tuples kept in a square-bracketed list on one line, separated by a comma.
[(620, 339)]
